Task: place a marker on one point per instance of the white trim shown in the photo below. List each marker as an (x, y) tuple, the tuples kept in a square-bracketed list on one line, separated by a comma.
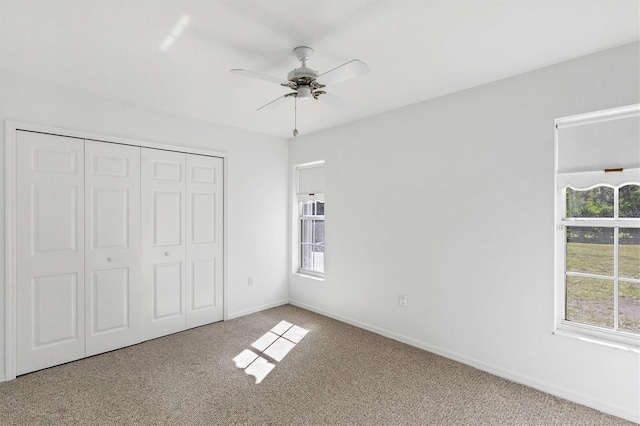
[(309, 276), (225, 238), (255, 309), (600, 336), (310, 164), (625, 222), (11, 125), (9, 253), (540, 385), (598, 116), (11, 128), (591, 179)]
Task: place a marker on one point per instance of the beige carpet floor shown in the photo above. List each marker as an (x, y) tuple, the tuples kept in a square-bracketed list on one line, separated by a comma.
[(336, 375)]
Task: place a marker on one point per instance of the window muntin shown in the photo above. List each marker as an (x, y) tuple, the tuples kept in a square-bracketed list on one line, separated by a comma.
[(312, 237)]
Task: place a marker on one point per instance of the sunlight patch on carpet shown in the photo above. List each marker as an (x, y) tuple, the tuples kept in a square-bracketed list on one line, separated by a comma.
[(274, 345)]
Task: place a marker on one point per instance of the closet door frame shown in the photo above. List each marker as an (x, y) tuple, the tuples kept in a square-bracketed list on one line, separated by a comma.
[(8, 368)]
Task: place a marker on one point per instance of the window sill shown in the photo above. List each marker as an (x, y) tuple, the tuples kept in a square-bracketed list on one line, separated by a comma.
[(312, 277), (597, 340)]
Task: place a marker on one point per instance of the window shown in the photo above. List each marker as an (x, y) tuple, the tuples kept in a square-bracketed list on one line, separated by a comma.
[(598, 225), (310, 212), (312, 237)]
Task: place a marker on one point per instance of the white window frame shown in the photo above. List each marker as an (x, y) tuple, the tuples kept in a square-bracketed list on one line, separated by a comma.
[(302, 199), (316, 194), (587, 180)]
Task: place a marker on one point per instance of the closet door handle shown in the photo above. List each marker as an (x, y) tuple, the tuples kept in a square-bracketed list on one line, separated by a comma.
[(166, 253), (109, 259)]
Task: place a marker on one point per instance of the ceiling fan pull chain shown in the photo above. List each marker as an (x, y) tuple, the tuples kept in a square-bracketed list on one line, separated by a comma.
[(295, 116)]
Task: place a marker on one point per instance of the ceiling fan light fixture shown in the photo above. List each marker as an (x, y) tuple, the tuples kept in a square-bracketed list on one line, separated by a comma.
[(304, 93)]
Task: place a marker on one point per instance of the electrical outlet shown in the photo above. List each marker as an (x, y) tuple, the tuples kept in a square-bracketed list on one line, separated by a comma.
[(403, 300), (250, 281)]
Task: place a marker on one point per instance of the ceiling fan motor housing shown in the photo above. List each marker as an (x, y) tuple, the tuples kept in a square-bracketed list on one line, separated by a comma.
[(302, 75), (303, 79)]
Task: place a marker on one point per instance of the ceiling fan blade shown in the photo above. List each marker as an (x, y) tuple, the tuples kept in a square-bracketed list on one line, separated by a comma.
[(351, 69), (253, 74), (274, 103)]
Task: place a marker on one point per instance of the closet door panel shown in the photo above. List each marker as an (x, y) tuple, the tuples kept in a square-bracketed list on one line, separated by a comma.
[(110, 301), (167, 217), (204, 240), (163, 242), (113, 276), (167, 290), (49, 250)]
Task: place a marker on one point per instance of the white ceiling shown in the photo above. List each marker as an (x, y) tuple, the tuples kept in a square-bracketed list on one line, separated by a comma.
[(416, 50)]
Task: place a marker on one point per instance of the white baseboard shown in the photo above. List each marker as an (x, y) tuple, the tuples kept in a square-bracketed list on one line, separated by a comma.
[(255, 309), (546, 387)]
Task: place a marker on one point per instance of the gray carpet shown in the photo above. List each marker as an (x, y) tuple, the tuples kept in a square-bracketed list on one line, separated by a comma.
[(336, 375)]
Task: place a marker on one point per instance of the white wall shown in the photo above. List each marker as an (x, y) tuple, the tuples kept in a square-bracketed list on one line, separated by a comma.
[(257, 180), (450, 202)]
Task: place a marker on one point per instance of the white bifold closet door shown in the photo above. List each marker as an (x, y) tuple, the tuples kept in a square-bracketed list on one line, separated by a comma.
[(116, 244), (49, 251), (163, 242), (204, 240), (78, 250), (181, 241), (112, 246)]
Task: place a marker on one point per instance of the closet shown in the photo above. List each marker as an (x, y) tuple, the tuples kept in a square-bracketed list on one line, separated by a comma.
[(116, 244)]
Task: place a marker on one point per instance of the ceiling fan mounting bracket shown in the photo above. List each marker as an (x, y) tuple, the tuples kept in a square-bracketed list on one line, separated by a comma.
[(302, 76), (303, 53)]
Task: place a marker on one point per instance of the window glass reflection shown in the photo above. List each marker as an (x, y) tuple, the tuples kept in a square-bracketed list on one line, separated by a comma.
[(595, 202), (629, 201)]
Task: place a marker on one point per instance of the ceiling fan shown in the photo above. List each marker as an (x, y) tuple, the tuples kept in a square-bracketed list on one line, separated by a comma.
[(306, 83)]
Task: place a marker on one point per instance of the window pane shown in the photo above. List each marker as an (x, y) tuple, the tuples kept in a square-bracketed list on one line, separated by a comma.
[(629, 199), (320, 208), (590, 250), (595, 202), (306, 261), (318, 258), (590, 301), (629, 307), (629, 253), (306, 231), (307, 208), (318, 231)]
